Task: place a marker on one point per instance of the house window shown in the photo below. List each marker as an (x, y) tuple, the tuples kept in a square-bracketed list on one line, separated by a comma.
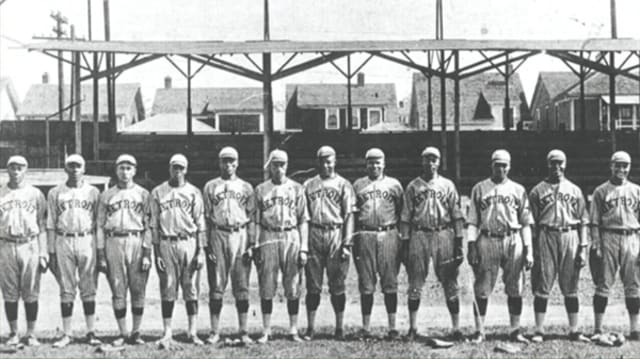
[(332, 119), (375, 116), (625, 117), (355, 118)]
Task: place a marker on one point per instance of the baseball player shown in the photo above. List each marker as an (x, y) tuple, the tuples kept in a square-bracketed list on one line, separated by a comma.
[(499, 236), (23, 248), (229, 206), (331, 202), (124, 246), (559, 243), (432, 222), (178, 233), (614, 218), (71, 224), (377, 245), (282, 245)]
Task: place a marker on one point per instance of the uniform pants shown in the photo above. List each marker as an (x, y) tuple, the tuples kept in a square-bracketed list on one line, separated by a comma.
[(496, 253), (19, 270), (325, 251), (376, 254), (228, 248), (279, 252), (76, 258), (425, 246), (178, 256), (124, 260)]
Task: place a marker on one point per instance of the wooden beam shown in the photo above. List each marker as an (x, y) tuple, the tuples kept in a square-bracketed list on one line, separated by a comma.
[(606, 69), (116, 69), (226, 66), (496, 65), (320, 60), (423, 69)]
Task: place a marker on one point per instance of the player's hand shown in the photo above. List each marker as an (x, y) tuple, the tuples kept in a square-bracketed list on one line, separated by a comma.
[(257, 256), (43, 264), (210, 256), (247, 256), (528, 258), (345, 252), (581, 257), (145, 263), (458, 255), (198, 262), (597, 251), (53, 263), (472, 255), (160, 265), (101, 264), (302, 259)]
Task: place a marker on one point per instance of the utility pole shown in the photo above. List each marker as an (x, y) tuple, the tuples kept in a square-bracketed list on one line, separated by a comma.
[(76, 95), (59, 32), (110, 59), (613, 110), (267, 99), (96, 109)]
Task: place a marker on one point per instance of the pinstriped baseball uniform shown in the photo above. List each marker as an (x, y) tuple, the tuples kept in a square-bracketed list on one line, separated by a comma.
[(556, 205), (431, 208), (122, 211), (22, 218), (73, 211), (379, 203), (500, 209), (228, 205), (618, 207), (178, 215), (280, 208), (330, 200)]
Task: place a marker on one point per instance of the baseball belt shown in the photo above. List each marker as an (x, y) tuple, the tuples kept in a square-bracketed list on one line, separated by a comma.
[(179, 237), (278, 229), (569, 228), (432, 229), (19, 240), (486, 232), (74, 234), (123, 234), (327, 227), (230, 229), (622, 231), (379, 228)]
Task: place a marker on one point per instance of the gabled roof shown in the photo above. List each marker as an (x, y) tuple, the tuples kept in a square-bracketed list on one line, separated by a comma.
[(6, 85), (320, 95), (598, 84), (168, 123), (42, 99), (211, 99), (557, 81), (389, 127)]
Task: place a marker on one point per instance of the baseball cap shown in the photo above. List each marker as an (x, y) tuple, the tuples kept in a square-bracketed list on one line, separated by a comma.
[(325, 151), (431, 151), (18, 160), (556, 155), (179, 159), (75, 158), (228, 152), (621, 156), (501, 156), (126, 158), (374, 153), (278, 156)]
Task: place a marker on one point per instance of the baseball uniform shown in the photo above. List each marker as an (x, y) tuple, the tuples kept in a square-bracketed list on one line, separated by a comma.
[(72, 217), (615, 211), (499, 211), (280, 209), (22, 219), (330, 201), (559, 210), (124, 213), (177, 213), (229, 206), (377, 245), (431, 209)]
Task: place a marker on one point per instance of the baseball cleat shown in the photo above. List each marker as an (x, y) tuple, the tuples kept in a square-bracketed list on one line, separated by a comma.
[(392, 335), (516, 336), (364, 334), (457, 336), (412, 335), (164, 343), (13, 339), (579, 337), (634, 335), (264, 339), (119, 342), (294, 338), (245, 339), (31, 341), (477, 338), (213, 338), (135, 339), (91, 339), (538, 337), (308, 335), (193, 339), (338, 334), (439, 343), (62, 342)]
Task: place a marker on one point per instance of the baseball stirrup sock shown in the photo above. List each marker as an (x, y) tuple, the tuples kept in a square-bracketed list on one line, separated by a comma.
[(167, 309), (515, 305), (391, 302), (540, 304), (599, 304), (66, 309), (192, 307), (312, 301), (11, 310), (366, 304), (293, 306), (413, 305), (633, 305), (137, 310), (454, 306), (572, 305), (242, 305), (31, 310), (481, 309), (215, 306), (120, 313), (89, 307), (338, 302), (266, 305)]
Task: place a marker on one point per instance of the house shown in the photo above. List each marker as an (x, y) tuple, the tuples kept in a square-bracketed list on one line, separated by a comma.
[(556, 102), (168, 124), (8, 100), (323, 107), (41, 102), (481, 102), (224, 109)]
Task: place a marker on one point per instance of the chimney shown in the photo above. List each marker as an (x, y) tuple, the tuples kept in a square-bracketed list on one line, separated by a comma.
[(45, 78), (360, 79), (167, 82)]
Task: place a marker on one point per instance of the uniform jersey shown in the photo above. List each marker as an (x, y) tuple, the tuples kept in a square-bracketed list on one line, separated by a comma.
[(431, 204), (124, 209), (22, 211), (281, 205), (229, 203), (379, 201), (499, 207), (72, 210), (177, 211), (558, 205), (329, 199), (616, 206)]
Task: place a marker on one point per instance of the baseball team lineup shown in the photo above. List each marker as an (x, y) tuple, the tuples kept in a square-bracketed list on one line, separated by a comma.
[(293, 232)]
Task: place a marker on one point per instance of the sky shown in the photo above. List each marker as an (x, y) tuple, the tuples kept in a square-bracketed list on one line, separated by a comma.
[(240, 20)]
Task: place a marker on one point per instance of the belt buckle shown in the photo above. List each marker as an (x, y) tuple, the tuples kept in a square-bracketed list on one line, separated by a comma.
[(380, 229)]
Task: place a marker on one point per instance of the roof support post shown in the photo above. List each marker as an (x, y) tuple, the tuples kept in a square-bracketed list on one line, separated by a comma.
[(506, 112), (456, 115), (443, 111), (583, 117), (189, 112), (349, 124), (429, 96), (267, 99), (96, 109), (613, 108), (77, 96)]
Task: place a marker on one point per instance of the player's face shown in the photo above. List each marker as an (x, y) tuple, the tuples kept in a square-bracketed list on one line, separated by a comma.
[(228, 166), (125, 172), (500, 170), (556, 168), (375, 167), (620, 170), (16, 172), (278, 169), (430, 164), (74, 171), (327, 165), (177, 172)]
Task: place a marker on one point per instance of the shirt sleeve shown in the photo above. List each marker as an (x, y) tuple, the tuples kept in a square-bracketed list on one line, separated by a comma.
[(52, 217), (95, 197), (399, 198), (198, 211), (534, 200), (473, 214), (102, 210), (250, 207), (348, 198), (525, 217), (207, 203), (41, 202), (455, 207), (594, 208), (407, 206), (302, 212), (581, 209), (154, 210)]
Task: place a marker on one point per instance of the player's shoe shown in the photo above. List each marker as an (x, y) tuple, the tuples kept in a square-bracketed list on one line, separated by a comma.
[(31, 341), (135, 339), (597, 333), (264, 339), (412, 335), (393, 334), (457, 336), (13, 340), (213, 338), (338, 334), (477, 337), (634, 335), (538, 337), (245, 338), (119, 341), (518, 337), (165, 343), (579, 337), (364, 334), (62, 342), (308, 335), (91, 339), (294, 337), (193, 339)]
